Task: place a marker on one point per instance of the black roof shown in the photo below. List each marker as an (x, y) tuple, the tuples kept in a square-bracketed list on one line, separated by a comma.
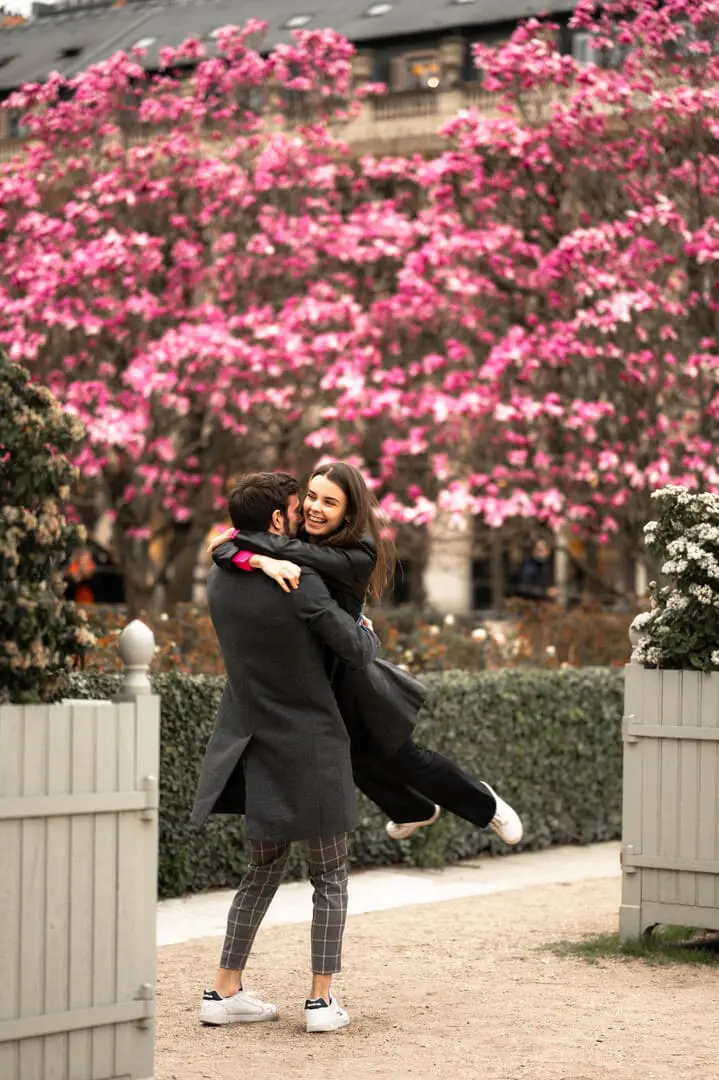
[(69, 41)]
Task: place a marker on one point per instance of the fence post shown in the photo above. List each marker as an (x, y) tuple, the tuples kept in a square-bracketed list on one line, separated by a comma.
[(137, 648)]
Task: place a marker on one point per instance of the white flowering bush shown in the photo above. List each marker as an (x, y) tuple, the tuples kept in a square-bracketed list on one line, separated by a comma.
[(681, 630), (41, 633)]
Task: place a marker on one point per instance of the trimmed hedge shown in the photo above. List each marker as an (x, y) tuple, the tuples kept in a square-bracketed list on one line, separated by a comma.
[(549, 741)]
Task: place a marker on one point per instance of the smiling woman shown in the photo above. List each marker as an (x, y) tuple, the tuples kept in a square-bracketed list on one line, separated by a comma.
[(324, 506), (340, 511)]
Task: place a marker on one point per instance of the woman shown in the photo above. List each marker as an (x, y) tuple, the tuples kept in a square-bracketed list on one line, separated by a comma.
[(342, 541)]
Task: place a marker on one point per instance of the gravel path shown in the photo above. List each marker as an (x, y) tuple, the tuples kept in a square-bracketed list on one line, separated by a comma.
[(454, 991)]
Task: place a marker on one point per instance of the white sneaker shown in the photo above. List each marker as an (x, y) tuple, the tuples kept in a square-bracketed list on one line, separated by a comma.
[(243, 1007), (506, 822), (409, 828), (319, 1016)]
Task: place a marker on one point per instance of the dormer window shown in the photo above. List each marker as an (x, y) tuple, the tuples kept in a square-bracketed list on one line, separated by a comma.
[(417, 71)]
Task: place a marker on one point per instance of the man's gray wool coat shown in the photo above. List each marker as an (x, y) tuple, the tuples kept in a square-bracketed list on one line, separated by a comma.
[(279, 752)]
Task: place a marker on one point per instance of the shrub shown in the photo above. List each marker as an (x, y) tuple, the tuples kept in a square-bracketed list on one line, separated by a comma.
[(549, 740), (682, 628), (41, 634), (536, 635)]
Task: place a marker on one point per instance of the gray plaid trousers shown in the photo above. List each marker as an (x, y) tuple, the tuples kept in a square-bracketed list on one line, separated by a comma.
[(328, 874)]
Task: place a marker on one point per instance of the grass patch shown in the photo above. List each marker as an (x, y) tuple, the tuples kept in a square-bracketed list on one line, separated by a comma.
[(663, 946)]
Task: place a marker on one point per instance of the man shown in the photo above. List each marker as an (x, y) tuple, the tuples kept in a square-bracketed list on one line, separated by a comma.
[(534, 577), (279, 753)]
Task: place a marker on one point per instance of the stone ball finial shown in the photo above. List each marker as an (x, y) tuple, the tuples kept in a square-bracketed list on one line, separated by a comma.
[(137, 648), (137, 644)]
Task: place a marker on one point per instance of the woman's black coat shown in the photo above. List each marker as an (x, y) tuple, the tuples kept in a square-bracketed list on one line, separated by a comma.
[(380, 702)]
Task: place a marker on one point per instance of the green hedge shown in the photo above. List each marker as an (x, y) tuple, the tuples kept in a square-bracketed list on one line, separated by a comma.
[(548, 741)]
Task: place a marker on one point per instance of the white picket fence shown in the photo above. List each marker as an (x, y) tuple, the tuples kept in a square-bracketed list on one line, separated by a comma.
[(670, 821), (78, 882)]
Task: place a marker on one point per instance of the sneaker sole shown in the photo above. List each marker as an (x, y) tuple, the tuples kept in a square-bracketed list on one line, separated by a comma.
[(330, 1027), (238, 1020), (402, 835)]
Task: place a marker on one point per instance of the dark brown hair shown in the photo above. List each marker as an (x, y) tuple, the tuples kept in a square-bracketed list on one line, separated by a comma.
[(257, 496), (361, 517)]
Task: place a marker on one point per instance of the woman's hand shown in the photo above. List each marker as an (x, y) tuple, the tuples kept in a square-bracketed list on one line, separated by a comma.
[(286, 574), (228, 534)]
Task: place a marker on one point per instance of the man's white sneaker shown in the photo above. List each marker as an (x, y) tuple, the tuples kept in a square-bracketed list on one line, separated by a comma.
[(243, 1007), (506, 822), (319, 1016), (406, 829)]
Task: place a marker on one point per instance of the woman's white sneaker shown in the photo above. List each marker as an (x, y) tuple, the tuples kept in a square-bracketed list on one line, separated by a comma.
[(405, 829), (244, 1007), (506, 822), (320, 1016)]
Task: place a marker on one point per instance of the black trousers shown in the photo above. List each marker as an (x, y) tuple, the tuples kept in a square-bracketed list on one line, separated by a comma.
[(407, 785)]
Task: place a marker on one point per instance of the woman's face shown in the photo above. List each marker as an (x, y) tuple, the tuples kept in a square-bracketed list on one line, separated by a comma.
[(325, 507)]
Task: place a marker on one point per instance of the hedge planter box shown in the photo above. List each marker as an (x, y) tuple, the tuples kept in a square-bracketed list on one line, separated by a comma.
[(78, 871), (670, 833)]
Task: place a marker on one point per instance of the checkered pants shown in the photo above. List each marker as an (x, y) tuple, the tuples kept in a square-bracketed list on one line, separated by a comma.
[(328, 874)]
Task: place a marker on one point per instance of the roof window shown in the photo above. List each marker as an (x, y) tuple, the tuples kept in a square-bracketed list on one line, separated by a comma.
[(296, 21), (375, 10)]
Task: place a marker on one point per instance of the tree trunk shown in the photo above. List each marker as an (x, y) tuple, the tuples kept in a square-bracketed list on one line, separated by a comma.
[(181, 576)]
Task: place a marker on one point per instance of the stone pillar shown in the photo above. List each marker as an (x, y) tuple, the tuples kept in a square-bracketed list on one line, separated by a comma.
[(451, 59), (561, 566), (641, 579), (448, 573), (362, 68)]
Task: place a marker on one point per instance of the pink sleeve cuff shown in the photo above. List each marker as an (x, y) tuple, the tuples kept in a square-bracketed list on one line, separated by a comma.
[(242, 560)]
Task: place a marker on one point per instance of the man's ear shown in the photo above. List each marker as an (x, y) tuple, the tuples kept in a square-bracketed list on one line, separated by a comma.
[(277, 520)]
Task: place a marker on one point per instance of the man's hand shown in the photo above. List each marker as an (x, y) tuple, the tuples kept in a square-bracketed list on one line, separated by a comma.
[(286, 574), (228, 534), (367, 623)]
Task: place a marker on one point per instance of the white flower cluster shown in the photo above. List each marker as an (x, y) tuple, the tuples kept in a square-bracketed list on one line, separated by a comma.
[(682, 629), (683, 552), (704, 594)]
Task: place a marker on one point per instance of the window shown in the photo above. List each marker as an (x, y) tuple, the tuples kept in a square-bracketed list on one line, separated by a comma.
[(5, 60), (585, 51), (375, 10), (70, 53), (456, 3), (15, 129), (416, 71), (144, 43), (295, 21)]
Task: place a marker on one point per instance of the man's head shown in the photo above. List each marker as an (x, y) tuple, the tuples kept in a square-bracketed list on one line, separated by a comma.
[(266, 502), (541, 550)]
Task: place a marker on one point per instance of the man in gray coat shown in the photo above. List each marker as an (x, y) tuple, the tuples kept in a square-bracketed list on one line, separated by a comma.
[(280, 753)]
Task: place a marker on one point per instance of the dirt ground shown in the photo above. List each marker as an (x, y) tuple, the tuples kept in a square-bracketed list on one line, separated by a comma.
[(460, 990)]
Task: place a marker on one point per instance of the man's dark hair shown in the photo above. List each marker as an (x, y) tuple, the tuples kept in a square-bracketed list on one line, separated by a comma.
[(257, 496)]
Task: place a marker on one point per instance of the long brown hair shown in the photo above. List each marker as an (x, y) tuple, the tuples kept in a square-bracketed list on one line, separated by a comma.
[(362, 517)]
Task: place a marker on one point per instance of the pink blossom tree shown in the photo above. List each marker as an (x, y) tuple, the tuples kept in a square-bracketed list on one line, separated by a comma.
[(521, 328), (570, 266), (185, 265)]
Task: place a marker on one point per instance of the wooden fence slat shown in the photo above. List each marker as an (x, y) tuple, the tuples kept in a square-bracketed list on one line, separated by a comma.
[(671, 717), (81, 891), (129, 829), (58, 873), (11, 739), (33, 897), (651, 765), (103, 918)]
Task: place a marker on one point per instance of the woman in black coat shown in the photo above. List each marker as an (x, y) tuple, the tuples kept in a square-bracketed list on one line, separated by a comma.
[(379, 704)]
